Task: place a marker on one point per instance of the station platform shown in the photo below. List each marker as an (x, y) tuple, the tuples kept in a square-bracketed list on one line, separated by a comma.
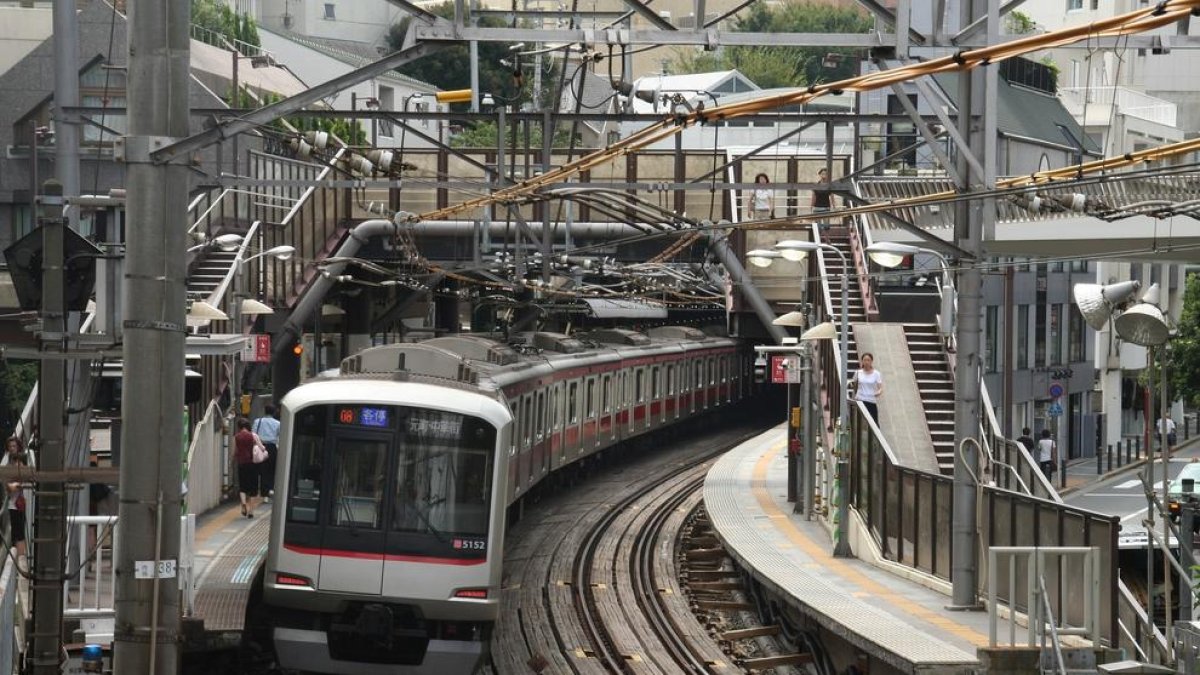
[(229, 548), (891, 619)]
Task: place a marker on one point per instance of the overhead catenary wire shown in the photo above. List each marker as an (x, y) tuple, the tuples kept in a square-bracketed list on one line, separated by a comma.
[(1165, 13)]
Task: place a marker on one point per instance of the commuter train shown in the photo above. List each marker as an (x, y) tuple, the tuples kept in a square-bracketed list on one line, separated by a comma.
[(396, 473)]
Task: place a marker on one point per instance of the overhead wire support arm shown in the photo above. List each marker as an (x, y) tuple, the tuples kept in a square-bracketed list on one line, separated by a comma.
[(649, 14), (889, 16), (287, 106)]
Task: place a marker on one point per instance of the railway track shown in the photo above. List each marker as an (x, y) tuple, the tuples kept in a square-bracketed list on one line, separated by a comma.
[(591, 574)]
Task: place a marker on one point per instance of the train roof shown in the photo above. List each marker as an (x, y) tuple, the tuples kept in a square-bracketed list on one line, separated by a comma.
[(487, 362)]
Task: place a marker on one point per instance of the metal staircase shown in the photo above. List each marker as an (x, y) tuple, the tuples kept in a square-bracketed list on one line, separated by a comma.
[(210, 270), (936, 385)]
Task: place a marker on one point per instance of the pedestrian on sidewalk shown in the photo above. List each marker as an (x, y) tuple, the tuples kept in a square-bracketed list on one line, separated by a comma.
[(1047, 454), (1026, 440), (868, 384), (267, 428), (1167, 424)]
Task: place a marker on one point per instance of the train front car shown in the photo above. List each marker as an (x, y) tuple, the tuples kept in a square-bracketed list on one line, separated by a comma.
[(387, 542)]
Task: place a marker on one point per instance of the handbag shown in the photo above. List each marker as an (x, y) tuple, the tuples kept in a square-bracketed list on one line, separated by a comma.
[(259, 454)]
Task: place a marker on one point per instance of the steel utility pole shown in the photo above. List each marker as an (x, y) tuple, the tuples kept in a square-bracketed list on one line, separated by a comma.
[(50, 529), (146, 637), (976, 89), (66, 96)]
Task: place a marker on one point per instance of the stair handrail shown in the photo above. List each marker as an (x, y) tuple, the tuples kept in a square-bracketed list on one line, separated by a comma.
[(839, 360), (204, 488), (1044, 617), (994, 442), (219, 201), (308, 191), (1155, 638), (218, 294), (861, 268)]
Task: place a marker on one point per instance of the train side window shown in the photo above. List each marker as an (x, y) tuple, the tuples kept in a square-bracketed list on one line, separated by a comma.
[(712, 374), (527, 421), (654, 383), (699, 375), (671, 380), (590, 409), (308, 443), (637, 386), (573, 403), (606, 395), (540, 430), (554, 407)]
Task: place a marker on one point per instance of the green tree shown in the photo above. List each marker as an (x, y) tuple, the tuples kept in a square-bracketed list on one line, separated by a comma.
[(483, 135), (218, 19), (786, 66), (16, 381), (1183, 357)]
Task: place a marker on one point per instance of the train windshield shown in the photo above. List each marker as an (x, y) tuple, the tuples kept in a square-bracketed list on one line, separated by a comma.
[(421, 478)]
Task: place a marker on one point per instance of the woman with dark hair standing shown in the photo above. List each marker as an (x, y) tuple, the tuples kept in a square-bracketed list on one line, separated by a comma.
[(868, 384), (762, 198), (15, 452)]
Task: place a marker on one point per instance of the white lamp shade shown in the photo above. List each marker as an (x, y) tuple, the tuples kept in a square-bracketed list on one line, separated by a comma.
[(1143, 324), (252, 307), (1151, 295), (284, 252), (1096, 302), (890, 253), (795, 250), (821, 331), (761, 257), (228, 241), (793, 319), (203, 310), (331, 310)]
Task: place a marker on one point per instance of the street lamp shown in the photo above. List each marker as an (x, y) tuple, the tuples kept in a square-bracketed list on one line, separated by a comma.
[(226, 242), (796, 250), (1145, 324), (891, 254)]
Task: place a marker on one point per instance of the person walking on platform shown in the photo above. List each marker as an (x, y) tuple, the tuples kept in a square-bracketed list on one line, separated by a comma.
[(1026, 440), (244, 442), (267, 428), (1047, 454), (15, 452), (762, 198), (868, 385)]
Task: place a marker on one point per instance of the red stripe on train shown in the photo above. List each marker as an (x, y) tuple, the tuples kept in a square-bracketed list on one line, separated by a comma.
[(362, 555)]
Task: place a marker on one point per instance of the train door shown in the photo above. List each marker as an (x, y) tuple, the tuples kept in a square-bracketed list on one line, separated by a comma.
[(592, 412), (608, 427), (353, 538), (672, 411), (699, 399), (525, 452), (556, 425), (574, 442), (541, 437)]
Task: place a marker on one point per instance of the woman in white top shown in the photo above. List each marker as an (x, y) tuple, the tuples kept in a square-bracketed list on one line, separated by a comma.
[(868, 384), (762, 199), (1047, 454)]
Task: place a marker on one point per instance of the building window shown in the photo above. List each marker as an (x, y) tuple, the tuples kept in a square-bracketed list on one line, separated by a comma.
[(1075, 335), (1079, 265), (1074, 4), (992, 332), (1021, 334), (329, 13), (1055, 335)]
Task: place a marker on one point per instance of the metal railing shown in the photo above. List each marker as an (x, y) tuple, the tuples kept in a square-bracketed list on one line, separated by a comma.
[(1100, 100), (1017, 470), (205, 469), (92, 592), (12, 610), (909, 514), (1071, 606)]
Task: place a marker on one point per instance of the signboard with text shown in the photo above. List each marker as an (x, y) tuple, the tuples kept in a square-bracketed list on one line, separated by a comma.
[(257, 349)]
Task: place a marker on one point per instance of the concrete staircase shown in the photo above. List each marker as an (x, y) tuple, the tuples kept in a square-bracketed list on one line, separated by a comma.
[(932, 370)]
